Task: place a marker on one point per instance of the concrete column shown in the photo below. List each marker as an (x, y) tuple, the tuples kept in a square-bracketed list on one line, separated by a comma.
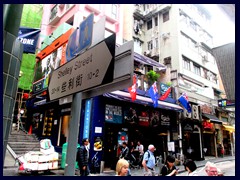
[(12, 56)]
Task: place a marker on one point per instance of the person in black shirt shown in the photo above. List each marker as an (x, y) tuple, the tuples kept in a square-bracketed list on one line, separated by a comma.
[(169, 169)]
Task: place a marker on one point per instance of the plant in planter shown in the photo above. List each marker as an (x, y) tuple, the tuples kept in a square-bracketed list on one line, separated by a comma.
[(152, 77)]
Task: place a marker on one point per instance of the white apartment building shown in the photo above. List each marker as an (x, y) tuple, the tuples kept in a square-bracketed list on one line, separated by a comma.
[(179, 36)]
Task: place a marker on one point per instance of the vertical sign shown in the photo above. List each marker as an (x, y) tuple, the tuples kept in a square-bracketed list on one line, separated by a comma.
[(86, 31), (80, 39), (87, 116)]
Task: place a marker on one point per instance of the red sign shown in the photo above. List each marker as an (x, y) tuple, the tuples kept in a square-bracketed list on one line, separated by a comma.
[(207, 125)]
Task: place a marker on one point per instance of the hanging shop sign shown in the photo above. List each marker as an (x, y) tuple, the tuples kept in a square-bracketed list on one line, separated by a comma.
[(207, 125), (29, 38), (87, 118), (225, 102)]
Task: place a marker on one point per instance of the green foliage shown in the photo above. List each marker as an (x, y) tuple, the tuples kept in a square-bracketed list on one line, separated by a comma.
[(169, 83), (152, 76)]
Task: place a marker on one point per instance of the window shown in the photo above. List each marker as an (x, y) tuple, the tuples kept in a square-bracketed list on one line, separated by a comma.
[(156, 42), (193, 25), (186, 63), (167, 60), (156, 21), (196, 69), (150, 45), (53, 13), (166, 16), (114, 11), (149, 25)]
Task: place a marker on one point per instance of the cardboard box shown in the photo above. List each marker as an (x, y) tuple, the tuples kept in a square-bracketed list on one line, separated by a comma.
[(43, 166), (53, 165)]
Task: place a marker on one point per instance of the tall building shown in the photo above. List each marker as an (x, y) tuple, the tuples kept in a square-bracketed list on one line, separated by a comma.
[(179, 36)]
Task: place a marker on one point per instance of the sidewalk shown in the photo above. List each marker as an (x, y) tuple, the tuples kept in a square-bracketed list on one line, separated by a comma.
[(9, 163)]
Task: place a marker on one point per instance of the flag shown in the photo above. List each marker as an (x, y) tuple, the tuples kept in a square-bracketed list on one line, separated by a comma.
[(133, 89), (183, 99), (165, 95), (153, 92)]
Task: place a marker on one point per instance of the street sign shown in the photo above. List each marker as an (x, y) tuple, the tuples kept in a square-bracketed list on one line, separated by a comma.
[(80, 39), (90, 69)]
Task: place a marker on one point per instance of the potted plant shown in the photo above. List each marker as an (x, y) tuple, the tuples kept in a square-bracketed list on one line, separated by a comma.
[(152, 77)]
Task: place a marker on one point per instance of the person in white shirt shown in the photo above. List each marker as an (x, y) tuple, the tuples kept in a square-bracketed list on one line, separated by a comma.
[(140, 148)]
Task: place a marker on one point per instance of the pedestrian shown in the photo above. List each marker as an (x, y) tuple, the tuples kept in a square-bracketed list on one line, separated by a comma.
[(169, 169), (122, 167), (83, 158), (125, 151), (191, 167), (140, 148), (148, 162)]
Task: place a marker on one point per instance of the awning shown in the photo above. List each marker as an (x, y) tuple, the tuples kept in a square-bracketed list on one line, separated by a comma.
[(228, 128), (212, 118), (148, 61), (125, 96)]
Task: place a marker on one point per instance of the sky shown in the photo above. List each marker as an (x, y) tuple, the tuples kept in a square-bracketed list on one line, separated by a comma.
[(223, 28)]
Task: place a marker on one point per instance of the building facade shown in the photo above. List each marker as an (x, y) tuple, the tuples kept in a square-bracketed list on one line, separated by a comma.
[(179, 36)]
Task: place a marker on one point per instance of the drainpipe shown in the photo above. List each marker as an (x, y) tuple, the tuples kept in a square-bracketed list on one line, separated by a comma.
[(180, 142)]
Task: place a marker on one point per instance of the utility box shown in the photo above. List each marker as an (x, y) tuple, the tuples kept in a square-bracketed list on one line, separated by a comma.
[(64, 155)]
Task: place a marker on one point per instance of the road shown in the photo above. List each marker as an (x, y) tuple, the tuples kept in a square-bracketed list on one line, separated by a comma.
[(227, 167)]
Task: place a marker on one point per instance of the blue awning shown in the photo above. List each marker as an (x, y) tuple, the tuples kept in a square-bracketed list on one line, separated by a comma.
[(125, 96), (148, 61)]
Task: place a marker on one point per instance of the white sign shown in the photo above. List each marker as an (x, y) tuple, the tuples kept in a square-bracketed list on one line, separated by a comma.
[(92, 68), (171, 146), (98, 129)]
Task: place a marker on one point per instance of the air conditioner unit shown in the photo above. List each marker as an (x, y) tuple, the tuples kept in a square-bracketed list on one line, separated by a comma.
[(165, 35), (198, 44), (187, 115), (147, 53), (195, 113), (205, 58)]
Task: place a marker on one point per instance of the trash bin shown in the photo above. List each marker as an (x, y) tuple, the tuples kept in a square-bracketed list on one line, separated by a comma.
[(64, 155)]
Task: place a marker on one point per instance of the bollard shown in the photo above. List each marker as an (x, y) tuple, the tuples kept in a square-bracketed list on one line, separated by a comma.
[(102, 167)]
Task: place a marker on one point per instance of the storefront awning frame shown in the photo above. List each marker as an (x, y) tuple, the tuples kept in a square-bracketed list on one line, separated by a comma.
[(212, 118), (121, 95), (228, 128)]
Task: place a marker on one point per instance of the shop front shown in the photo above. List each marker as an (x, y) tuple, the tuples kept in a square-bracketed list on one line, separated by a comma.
[(127, 121), (192, 140)]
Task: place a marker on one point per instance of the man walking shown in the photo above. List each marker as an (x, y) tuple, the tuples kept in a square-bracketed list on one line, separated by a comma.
[(83, 158), (149, 161)]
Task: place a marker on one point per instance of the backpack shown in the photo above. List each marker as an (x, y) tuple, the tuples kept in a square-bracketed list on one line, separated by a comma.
[(148, 155)]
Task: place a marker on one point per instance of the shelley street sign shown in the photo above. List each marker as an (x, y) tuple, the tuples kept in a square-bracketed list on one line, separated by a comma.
[(90, 69)]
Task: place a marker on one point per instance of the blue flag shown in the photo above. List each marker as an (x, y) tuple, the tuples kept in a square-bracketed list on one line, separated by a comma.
[(183, 99), (153, 92)]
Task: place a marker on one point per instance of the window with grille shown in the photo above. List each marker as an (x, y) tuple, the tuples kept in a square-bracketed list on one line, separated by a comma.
[(114, 11), (150, 45), (186, 63), (166, 16), (149, 25), (53, 12), (196, 69), (156, 21)]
